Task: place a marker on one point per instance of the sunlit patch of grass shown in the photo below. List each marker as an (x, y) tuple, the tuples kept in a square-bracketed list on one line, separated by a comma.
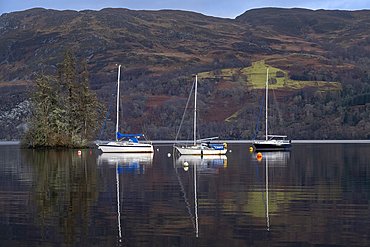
[(226, 74), (256, 75), (233, 118)]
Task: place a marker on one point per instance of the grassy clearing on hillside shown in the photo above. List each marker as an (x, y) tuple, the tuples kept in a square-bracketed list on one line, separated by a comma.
[(233, 118), (256, 78)]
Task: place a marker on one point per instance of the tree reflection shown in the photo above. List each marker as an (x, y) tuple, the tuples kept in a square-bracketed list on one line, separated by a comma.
[(63, 191)]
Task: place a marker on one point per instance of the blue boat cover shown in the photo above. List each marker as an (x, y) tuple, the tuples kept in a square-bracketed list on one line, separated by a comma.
[(134, 140), (119, 135), (218, 147), (132, 168)]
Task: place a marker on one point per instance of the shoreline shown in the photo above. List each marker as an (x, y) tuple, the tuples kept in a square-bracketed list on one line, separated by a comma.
[(236, 142)]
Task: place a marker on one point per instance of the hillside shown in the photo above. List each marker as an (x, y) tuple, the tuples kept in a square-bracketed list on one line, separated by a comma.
[(318, 64)]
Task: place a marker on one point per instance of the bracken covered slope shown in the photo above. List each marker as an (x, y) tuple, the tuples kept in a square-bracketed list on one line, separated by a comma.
[(315, 55)]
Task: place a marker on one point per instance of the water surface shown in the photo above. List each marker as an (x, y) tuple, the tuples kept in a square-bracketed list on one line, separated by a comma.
[(316, 194)]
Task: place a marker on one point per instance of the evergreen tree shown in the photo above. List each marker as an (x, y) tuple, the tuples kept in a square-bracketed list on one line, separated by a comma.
[(68, 79), (88, 107), (46, 125), (64, 112)]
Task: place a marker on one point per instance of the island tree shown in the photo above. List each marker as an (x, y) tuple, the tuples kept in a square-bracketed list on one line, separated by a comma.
[(64, 112)]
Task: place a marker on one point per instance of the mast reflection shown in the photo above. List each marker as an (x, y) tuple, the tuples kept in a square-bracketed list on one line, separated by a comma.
[(196, 164), (128, 163), (271, 160)]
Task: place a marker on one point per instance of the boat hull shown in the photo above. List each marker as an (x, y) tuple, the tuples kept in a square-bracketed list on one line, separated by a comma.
[(200, 150), (271, 145), (126, 147)]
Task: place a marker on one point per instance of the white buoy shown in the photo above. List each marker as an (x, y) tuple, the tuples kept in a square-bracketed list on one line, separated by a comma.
[(168, 155), (158, 149), (79, 152), (186, 166)]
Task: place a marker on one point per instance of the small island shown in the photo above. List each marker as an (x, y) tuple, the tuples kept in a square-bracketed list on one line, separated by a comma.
[(64, 113)]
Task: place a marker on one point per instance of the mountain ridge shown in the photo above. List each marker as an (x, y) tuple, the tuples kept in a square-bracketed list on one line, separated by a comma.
[(182, 37), (160, 50)]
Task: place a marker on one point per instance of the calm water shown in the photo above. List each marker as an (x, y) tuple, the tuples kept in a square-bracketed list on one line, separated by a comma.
[(316, 194)]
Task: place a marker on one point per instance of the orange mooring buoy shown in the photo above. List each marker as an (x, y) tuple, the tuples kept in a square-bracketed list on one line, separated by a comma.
[(259, 157)]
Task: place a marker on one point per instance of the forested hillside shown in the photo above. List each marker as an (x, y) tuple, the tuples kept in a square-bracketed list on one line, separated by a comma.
[(319, 69)]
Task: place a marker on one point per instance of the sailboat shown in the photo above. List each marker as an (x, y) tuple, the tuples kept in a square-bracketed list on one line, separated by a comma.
[(272, 142), (125, 143), (205, 147)]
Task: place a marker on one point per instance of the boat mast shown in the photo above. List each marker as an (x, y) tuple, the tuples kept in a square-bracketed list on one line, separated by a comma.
[(267, 93), (195, 110), (119, 73)]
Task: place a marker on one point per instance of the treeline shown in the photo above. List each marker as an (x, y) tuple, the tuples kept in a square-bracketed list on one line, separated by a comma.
[(305, 114), (63, 110), (172, 83)]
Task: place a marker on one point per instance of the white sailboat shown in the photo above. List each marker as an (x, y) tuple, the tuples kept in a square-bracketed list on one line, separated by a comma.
[(204, 148), (125, 143), (272, 142)]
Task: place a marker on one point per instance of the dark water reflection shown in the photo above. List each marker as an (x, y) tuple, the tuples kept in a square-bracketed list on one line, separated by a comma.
[(316, 194)]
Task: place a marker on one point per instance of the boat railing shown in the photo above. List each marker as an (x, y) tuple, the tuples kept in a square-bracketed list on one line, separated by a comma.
[(99, 142), (191, 142), (276, 137), (209, 138)]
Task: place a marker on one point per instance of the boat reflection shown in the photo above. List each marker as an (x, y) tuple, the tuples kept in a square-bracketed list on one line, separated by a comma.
[(275, 159), (182, 166), (205, 164), (195, 164), (133, 163), (270, 160), (124, 163)]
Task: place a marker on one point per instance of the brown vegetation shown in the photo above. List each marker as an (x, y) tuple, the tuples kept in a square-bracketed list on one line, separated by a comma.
[(162, 50)]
